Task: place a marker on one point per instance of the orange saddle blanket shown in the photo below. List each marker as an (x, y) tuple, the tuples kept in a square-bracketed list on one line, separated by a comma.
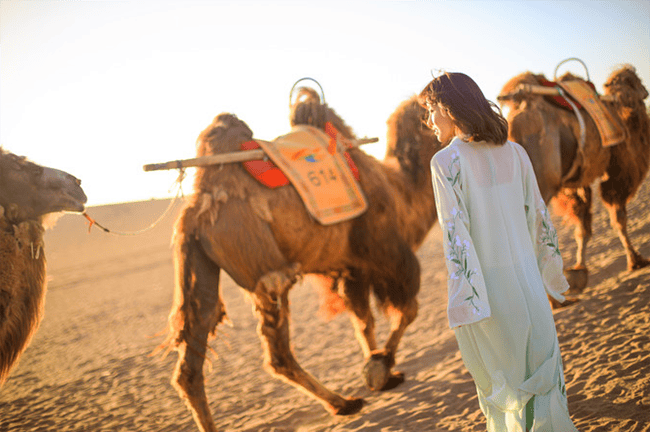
[(311, 160)]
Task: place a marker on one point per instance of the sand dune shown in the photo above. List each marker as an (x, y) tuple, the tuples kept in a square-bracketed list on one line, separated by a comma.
[(89, 366)]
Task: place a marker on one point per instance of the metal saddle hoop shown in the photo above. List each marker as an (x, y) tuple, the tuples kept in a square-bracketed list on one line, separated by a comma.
[(322, 93), (568, 60)]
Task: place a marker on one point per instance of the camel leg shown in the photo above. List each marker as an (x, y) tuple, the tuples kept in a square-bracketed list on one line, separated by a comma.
[(378, 363), (614, 198), (401, 304), (197, 311), (356, 295), (618, 219), (577, 208), (378, 369), (398, 298), (400, 319), (271, 304), (582, 232)]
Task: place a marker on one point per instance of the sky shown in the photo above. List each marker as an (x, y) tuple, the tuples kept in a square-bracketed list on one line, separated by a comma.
[(101, 88)]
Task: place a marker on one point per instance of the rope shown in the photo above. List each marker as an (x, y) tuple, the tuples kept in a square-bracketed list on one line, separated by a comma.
[(178, 181)]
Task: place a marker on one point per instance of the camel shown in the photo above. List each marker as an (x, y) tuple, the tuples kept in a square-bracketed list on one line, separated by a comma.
[(28, 192), (565, 172), (266, 241)]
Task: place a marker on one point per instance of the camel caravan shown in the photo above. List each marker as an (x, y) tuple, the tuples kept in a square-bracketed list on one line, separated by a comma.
[(256, 213)]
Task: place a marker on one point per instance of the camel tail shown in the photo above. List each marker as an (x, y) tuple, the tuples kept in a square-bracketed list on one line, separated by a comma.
[(22, 294)]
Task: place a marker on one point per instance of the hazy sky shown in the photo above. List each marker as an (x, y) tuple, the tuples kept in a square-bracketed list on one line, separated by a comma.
[(100, 88)]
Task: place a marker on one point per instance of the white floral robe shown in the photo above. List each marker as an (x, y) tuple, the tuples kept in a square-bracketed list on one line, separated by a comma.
[(502, 258)]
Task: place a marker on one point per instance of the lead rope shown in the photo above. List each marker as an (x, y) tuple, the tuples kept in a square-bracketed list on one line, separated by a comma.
[(179, 193)]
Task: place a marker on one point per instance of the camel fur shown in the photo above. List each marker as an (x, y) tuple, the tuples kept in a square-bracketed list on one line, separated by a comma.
[(266, 241), (550, 135), (27, 193)]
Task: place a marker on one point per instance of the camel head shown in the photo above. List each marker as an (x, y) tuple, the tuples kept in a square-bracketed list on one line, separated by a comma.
[(409, 140), (34, 190), (627, 86)]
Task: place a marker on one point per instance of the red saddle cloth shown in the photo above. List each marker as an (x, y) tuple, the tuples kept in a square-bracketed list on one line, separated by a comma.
[(267, 173)]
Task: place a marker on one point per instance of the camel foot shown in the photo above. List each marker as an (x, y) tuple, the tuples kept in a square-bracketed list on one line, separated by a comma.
[(568, 301), (638, 263), (377, 373), (577, 278), (395, 379), (352, 406)]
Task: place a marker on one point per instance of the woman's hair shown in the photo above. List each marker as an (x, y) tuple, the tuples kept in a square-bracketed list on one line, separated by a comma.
[(474, 115)]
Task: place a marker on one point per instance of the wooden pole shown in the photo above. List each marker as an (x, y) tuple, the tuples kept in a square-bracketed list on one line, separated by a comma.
[(239, 156), (545, 91)]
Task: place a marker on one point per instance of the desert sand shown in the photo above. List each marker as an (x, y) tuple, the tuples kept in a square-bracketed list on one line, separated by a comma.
[(89, 366)]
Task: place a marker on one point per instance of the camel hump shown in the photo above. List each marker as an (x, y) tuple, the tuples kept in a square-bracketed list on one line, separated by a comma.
[(307, 95), (308, 109), (225, 134)]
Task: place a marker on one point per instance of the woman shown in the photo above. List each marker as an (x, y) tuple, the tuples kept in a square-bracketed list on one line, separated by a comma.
[(502, 257)]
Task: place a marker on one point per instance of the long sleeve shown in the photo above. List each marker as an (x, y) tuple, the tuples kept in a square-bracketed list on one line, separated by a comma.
[(467, 295), (543, 234)]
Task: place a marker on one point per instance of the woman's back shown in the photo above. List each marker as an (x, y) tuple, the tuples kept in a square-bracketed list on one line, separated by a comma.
[(492, 189)]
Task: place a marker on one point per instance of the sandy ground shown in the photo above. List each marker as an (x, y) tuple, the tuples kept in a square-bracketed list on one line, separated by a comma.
[(89, 366)]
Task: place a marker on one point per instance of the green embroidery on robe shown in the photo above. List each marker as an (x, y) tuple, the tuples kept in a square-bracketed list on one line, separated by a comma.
[(457, 253), (548, 236), (457, 250), (454, 174)]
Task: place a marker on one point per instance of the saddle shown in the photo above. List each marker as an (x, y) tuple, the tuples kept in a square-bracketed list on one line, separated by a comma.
[(318, 165), (583, 95), (558, 100)]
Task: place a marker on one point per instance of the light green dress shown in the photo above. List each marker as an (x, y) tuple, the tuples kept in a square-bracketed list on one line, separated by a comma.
[(503, 259)]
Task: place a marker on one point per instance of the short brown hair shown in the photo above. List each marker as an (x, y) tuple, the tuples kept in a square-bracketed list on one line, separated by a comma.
[(476, 116)]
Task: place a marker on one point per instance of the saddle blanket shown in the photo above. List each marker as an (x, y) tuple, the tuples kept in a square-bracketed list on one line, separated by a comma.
[(312, 162), (610, 129)]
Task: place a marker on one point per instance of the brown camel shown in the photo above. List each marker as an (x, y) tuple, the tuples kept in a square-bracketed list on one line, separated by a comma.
[(28, 192), (565, 172), (265, 240)]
